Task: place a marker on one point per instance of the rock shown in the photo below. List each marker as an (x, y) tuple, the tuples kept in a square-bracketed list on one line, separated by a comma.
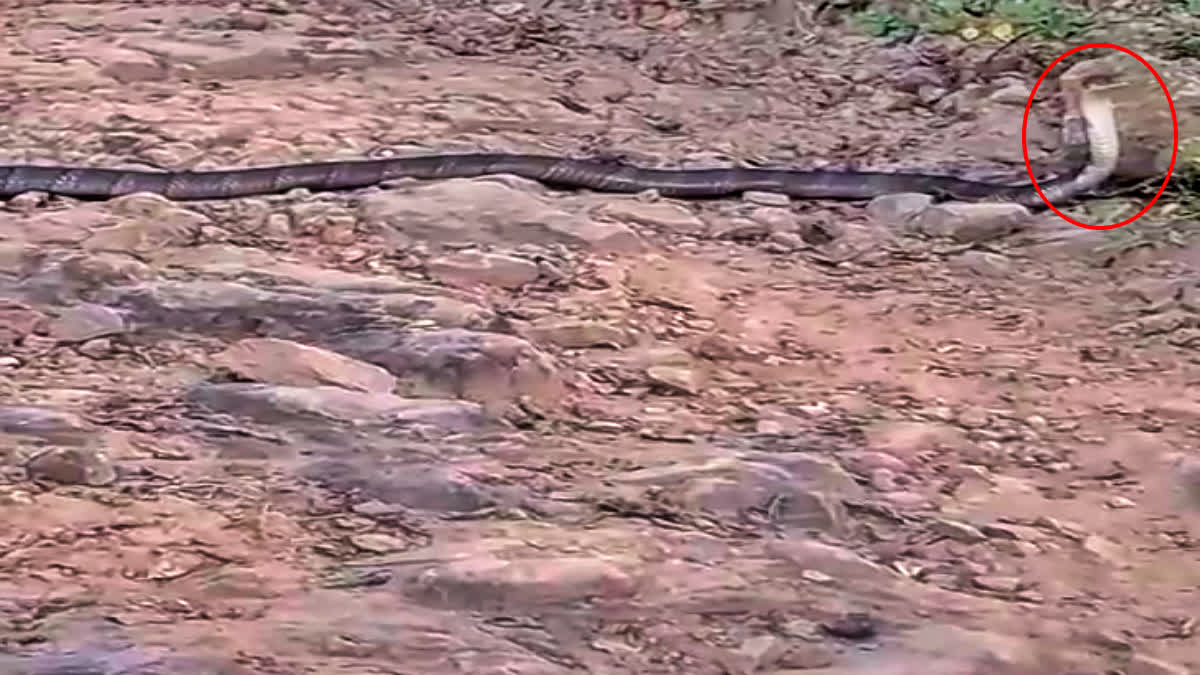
[(762, 651), (280, 404), (15, 256), (1049, 237), (805, 657), (773, 427), (486, 211), (852, 626), (602, 88), (842, 564), (781, 220), (412, 485), (909, 440), (245, 19), (1013, 93), (659, 280), (908, 500), (468, 268), (284, 362), (277, 226), (152, 223), (811, 470), (884, 480), (240, 584), (1177, 409), (489, 368), (661, 215), (1185, 478), (1119, 502), (217, 307), (311, 217), (957, 531), (102, 658), (984, 264), (943, 649), (804, 497), (253, 56), (18, 320), (576, 334), (1107, 551), (776, 199), (85, 322), (488, 583), (1157, 294), (72, 466), (104, 269), (970, 223), (897, 209), (128, 65), (973, 417), (1188, 298), (864, 461), (377, 543), (785, 242), (49, 425), (997, 584), (799, 509), (68, 227), (675, 378), (1141, 664)]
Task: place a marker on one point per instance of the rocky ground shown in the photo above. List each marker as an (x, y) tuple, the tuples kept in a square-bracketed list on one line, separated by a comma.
[(480, 426)]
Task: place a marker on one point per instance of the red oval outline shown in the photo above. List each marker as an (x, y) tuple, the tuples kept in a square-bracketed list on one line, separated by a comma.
[(1174, 143)]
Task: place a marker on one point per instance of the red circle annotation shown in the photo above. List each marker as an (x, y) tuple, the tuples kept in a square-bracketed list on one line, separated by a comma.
[(1174, 143)]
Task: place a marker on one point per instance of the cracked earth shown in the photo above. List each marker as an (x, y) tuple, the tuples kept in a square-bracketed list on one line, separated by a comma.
[(482, 426)]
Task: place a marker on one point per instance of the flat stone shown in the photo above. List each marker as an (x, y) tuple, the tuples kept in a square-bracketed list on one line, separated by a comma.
[(1141, 664), (675, 378), (840, 563), (129, 65), (577, 333), (487, 210), (897, 210), (275, 361), (72, 466), (86, 321), (663, 215), (489, 368), (984, 264), (486, 582), (274, 404), (969, 223), (957, 531), (47, 424), (473, 267)]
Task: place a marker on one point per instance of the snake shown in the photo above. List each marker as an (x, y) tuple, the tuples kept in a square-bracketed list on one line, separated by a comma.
[(1089, 139)]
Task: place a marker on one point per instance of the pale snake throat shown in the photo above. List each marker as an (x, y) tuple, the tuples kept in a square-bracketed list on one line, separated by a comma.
[(1089, 135)]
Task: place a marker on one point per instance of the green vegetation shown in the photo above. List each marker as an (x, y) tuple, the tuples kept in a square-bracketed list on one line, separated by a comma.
[(1171, 222), (1173, 219), (1187, 6), (997, 19)]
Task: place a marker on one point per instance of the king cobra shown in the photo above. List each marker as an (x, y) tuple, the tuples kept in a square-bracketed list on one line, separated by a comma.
[(1089, 138)]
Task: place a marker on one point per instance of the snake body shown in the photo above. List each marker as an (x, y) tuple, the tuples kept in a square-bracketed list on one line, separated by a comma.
[(1090, 138)]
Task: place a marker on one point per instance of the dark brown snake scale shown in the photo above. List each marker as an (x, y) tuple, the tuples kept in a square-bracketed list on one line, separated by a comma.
[(602, 176), (83, 182)]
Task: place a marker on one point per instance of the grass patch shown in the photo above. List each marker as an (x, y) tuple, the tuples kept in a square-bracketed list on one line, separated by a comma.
[(1173, 221), (973, 19)]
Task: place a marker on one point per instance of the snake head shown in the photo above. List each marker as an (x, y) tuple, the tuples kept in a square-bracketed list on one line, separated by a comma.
[(1100, 81), (1091, 75)]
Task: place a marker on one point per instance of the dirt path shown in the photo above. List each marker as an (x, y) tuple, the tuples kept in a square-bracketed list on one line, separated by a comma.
[(479, 426)]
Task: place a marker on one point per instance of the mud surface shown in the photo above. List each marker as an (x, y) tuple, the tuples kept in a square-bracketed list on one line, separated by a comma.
[(481, 426)]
